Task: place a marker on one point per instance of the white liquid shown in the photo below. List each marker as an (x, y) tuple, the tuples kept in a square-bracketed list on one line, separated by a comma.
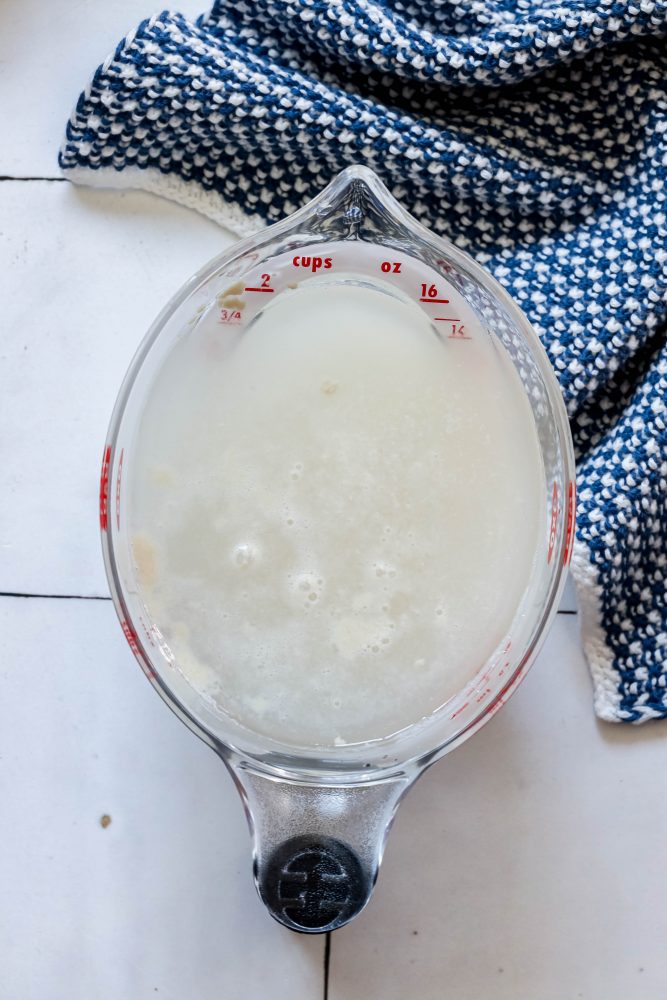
[(335, 516)]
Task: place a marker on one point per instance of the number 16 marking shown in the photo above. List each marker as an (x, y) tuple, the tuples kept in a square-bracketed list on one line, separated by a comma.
[(429, 293)]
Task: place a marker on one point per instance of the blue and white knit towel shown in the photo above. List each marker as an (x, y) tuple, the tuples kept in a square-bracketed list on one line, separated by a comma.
[(536, 128)]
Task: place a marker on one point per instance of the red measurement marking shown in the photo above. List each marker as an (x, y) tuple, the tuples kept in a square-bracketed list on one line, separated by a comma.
[(484, 695), (131, 636), (391, 265), (264, 285), (459, 710), (133, 643), (147, 632), (232, 315), (458, 331), (571, 521), (445, 301), (119, 474), (554, 521), (445, 319), (104, 489), (505, 667)]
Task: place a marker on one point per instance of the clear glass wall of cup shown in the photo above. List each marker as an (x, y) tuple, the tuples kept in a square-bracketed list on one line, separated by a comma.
[(319, 819)]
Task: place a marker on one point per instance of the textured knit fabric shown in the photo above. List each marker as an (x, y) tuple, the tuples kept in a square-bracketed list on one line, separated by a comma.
[(532, 134)]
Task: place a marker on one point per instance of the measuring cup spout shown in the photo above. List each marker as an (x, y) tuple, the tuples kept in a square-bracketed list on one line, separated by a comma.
[(317, 848)]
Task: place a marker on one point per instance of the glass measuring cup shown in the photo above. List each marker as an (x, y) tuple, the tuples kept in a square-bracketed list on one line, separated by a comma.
[(319, 816)]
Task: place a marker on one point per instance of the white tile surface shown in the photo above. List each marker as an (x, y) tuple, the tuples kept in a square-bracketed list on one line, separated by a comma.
[(82, 276), (530, 862), (48, 53), (568, 601), (160, 904)]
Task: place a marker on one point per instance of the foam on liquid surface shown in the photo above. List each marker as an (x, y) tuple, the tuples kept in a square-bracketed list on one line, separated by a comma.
[(334, 514)]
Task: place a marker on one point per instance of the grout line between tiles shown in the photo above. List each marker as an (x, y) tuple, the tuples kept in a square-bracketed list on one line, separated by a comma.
[(55, 597), (100, 597), (56, 180), (327, 960)]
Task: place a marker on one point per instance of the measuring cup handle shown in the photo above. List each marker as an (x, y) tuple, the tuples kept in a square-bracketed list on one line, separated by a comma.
[(316, 848)]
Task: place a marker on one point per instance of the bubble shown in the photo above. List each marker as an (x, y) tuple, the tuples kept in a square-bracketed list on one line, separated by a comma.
[(245, 554), (308, 587)]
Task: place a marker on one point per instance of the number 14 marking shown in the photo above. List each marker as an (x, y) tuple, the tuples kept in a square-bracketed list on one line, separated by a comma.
[(458, 330)]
